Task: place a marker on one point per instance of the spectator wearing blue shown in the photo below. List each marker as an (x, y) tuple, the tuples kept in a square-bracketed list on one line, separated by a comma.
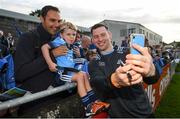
[(67, 37), (3, 39)]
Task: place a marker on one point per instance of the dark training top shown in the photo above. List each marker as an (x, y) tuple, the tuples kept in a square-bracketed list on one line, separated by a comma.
[(131, 101)]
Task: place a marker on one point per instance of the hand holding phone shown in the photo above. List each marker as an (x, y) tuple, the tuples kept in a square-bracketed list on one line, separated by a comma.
[(138, 39)]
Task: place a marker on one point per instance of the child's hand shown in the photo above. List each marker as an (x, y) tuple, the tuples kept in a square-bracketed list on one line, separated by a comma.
[(77, 52), (52, 67)]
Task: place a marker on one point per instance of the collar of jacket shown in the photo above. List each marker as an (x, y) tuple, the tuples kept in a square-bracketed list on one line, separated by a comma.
[(46, 36)]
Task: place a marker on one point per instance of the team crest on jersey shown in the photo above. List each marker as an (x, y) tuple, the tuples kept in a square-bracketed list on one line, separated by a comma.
[(120, 50), (119, 61), (101, 64)]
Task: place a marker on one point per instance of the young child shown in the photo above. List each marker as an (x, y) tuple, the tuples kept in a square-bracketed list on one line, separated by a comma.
[(67, 37)]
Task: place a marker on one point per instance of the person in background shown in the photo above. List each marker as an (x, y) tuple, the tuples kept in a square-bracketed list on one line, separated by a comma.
[(77, 45), (88, 49), (10, 40), (85, 44), (117, 76), (125, 42), (3, 39), (3, 51), (78, 39)]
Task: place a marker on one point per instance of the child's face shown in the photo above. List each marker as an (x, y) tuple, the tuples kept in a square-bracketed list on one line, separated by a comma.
[(69, 35)]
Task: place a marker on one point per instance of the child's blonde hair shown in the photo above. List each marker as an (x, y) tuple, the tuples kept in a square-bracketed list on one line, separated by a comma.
[(67, 25)]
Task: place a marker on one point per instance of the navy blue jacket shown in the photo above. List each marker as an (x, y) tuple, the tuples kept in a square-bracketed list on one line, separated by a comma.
[(31, 70)]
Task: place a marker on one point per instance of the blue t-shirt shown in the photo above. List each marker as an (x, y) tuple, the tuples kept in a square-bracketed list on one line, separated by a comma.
[(65, 60)]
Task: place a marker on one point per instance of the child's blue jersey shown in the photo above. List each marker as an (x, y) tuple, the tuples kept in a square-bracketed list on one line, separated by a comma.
[(65, 60)]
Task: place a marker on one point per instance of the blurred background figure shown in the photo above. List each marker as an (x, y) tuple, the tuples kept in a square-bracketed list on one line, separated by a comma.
[(78, 39), (85, 43), (3, 39), (125, 42), (10, 40), (3, 45), (88, 50)]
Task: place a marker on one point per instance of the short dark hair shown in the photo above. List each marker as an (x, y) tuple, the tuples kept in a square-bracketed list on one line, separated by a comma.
[(97, 26), (45, 10)]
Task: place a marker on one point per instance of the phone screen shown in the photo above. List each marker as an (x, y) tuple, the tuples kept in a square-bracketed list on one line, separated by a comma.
[(137, 39)]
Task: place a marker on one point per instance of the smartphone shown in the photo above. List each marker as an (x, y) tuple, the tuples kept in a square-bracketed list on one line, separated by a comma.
[(138, 39)]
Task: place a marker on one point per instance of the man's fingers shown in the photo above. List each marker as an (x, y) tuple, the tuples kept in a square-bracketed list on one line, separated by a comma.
[(132, 72), (138, 69), (63, 47), (136, 57), (136, 76), (142, 50), (61, 50), (136, 62), (139, 80), (125, 81), (123, 69)]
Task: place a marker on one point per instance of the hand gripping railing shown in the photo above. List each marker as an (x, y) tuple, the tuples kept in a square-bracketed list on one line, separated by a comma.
[(30, 97)]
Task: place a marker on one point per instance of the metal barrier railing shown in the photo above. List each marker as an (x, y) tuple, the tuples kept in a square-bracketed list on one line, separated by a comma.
[(31, 97)]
